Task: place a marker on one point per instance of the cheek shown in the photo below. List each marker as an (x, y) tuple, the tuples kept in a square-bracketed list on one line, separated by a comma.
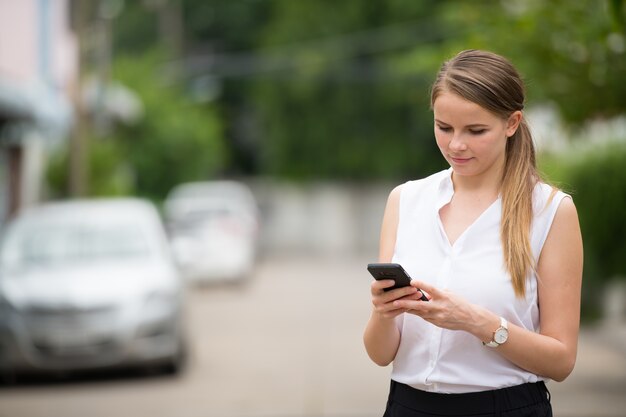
[(441, 139), (493, 144)]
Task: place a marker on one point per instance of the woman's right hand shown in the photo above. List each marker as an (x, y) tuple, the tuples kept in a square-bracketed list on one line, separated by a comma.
[(383, 300)]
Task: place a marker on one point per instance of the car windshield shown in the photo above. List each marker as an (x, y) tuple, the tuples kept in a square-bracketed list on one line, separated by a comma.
[(75, 243), (202, 214)]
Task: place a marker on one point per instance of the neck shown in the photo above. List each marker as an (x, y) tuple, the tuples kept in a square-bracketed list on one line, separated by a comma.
[(487, 183)]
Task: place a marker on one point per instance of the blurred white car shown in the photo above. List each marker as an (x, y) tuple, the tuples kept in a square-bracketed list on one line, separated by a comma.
[(89, 284), (213, 227)]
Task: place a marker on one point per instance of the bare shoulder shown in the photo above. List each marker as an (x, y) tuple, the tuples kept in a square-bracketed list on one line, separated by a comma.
[(394, 195), (393, 204), (389, 227), (566, 217), (567, 208), (563, 247)]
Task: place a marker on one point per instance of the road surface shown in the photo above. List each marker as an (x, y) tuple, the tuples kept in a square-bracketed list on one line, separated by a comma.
[(285, 344)]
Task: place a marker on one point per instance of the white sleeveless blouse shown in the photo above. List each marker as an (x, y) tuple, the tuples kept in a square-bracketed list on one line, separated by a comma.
[(448, 361)]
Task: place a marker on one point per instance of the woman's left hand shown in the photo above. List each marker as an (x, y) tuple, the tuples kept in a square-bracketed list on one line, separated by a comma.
[(444, 308)]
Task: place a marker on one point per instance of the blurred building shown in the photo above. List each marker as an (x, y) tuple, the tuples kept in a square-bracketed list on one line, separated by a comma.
[(38, 69)]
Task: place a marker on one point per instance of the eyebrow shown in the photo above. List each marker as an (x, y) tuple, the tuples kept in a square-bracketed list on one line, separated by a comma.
[(474, 125)]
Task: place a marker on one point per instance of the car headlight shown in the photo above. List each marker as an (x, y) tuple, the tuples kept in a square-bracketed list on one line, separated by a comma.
[(5, 307), (158, 314), (159, 303)]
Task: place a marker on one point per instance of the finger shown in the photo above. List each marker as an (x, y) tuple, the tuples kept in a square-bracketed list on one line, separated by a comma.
[(387, 297), (417, 306), (398, 293), (382, 284), (417, 296), (388, 309), (378, 286)]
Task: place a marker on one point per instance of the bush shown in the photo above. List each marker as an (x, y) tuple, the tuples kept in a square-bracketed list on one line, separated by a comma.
[(597, 182), (108, 172), (599, 187)]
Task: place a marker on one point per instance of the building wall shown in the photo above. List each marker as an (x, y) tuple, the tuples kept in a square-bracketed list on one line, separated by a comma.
[(322, 218), (18, 37), (36, 44), (38, 71), (4, 189)]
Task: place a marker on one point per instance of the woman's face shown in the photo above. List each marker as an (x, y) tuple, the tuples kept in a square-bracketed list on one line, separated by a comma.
[(471, 138)]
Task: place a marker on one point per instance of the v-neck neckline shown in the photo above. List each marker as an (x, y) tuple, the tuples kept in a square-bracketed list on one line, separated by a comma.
[(465, 231)]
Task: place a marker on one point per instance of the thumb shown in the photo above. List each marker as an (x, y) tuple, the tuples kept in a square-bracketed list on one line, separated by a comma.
[(429, 289)]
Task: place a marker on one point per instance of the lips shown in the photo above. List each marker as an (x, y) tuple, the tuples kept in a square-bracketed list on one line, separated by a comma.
[(460, 160)]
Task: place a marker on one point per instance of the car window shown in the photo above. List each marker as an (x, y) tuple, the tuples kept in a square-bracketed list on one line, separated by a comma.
[(56, 244)]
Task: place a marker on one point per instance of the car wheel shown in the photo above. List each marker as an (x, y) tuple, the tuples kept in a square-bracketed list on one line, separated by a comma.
[(8, 377), (176, 364)]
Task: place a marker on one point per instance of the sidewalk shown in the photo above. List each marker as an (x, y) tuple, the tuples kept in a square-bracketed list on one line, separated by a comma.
[(597, 387), (613, 334)]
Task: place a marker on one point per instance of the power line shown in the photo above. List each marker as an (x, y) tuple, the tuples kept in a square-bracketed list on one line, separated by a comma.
[(291, 60)]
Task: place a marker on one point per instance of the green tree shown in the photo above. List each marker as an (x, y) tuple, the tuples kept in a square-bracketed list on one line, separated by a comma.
[(175, 141), (339, 89), (570, 52), (331, 99)]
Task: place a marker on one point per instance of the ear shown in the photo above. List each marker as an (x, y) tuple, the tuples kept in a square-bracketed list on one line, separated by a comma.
[(513, 123)]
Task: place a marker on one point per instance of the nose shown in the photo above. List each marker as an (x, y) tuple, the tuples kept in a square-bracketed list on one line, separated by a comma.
[(457, 143)]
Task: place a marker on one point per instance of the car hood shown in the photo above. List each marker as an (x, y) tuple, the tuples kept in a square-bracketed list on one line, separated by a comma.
[(89, 286)]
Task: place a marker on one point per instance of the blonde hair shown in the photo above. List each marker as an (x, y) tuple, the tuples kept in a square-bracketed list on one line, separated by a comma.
[(492, 82)]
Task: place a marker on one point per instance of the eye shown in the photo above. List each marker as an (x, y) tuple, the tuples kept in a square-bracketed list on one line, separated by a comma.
[(477, 131), (444, 128)]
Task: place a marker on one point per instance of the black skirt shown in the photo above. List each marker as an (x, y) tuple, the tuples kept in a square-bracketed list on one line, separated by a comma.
[(526, 400)]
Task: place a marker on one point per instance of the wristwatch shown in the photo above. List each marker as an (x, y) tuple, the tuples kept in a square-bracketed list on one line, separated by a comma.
[(500, 335)]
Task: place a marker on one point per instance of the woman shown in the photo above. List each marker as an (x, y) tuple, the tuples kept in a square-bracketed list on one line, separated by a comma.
[(497, 251)]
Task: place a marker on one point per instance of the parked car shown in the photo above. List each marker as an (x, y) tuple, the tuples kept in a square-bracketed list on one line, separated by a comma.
[(89, 284), (213, 227)]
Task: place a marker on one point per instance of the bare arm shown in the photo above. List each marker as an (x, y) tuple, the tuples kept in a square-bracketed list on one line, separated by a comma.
[(550, 353), (382, 337)]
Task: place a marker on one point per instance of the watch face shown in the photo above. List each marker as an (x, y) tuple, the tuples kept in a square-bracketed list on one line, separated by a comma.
[(500, 336)]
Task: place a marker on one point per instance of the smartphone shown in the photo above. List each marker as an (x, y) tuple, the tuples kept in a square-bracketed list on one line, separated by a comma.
[(392, 271)]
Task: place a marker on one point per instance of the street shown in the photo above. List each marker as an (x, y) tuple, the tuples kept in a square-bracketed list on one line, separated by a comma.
[(288, 343)]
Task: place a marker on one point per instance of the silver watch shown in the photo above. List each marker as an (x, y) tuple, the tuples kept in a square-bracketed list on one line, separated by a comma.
[(500, 335)]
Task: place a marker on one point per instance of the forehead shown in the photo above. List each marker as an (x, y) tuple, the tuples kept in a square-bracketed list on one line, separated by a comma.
[(454, 109)]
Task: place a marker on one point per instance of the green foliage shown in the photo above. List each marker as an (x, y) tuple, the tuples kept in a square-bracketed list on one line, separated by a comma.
[(226, 24), (135, 30), (341, 104), (339, 89), (599, 186), (597, 182), (176, 141), (312, 89), (109, 174), (571, 52)]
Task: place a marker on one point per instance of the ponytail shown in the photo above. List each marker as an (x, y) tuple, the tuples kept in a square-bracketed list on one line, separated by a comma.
[(518, 182)]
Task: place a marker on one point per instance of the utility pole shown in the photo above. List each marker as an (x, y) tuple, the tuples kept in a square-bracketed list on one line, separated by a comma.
[(78, 175), (170, 25), (93, 22)]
